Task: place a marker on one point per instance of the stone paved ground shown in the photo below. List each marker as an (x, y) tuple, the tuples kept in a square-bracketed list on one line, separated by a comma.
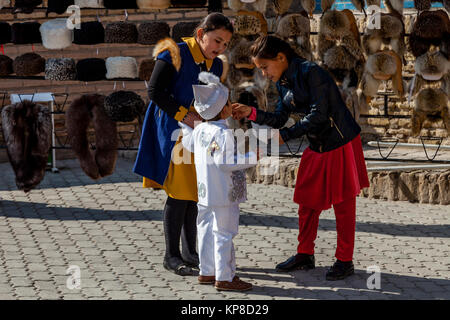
[(112, 230)]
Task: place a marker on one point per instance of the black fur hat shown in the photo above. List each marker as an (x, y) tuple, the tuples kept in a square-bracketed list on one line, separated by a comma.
[(60, 69), (152, 32), (120, 4), (124, 106), (91, 69), (26, 6), (184, 29), (189, 3), (27, 132), (6, 65), (5, 32), (58, 6), (26, 32), (146, 69), (121, 32), (91, 32), (28, 64)]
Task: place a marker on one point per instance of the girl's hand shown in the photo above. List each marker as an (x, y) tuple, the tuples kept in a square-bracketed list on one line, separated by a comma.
[(191, 118), (280, 140), (240, 111)]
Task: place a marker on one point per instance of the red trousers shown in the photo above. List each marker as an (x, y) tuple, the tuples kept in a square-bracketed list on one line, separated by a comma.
[(308, 223)]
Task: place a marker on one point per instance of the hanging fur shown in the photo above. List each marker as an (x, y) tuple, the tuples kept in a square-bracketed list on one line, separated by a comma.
[(152, 32), (281, 6), (326, 5), (83, 111), (27, 132), (168, 44), (309, 6), (4, 3), (257, 5), (6, 65), (395, 6), (250, 23), (295, 29)]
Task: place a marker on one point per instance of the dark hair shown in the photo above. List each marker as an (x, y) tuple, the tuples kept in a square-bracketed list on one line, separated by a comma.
[(214, 21), (268, 47)]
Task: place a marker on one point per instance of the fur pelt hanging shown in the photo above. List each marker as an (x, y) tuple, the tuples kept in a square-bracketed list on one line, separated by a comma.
[(281, 6), (5, 32), (6, 65), (395, 6), (88, 109), (27, 132), (309, 6), (257, 5), (295, 29), (250, 24)]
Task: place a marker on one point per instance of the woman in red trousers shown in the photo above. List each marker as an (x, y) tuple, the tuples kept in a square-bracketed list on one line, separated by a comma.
[(332, 170)]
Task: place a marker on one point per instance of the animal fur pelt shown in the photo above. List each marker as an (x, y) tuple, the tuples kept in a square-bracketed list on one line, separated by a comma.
[(174, 50), (250, 23), (422, 5), (309, 6), (394, 5), (281, 6), (27, 132), (295, 29), (257, 5), (83, 111)]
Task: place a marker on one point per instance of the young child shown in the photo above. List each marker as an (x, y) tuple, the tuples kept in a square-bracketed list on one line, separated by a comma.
[(221, 184)]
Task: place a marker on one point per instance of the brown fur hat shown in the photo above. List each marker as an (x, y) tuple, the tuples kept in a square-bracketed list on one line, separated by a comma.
[(152, 32), (422, 5), (88, 109), (326, 5), (6, 65), (121, 32), (146, 69), (27, 132), (28, 64), (295, 29), (430, 28)]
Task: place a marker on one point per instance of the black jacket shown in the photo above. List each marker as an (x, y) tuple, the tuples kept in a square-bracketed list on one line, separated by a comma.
[(308, 89)]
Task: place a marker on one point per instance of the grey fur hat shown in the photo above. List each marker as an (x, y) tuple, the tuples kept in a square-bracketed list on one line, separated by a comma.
[(121, 32), (28, 64), (6, 65), (152, 32), (60, 69), (124, 106), (27, 132), (121, 67)]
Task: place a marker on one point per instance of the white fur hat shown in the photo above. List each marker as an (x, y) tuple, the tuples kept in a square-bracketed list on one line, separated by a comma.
[(121, 67), (89, 3), (211, 97), (55, 34)]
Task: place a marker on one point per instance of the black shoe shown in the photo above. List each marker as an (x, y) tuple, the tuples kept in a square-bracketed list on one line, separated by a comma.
[(177, 266), (191, 261), (300, 261), (340, 270)]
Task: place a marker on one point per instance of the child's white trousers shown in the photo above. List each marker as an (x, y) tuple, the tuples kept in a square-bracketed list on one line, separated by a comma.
[(216, 228)]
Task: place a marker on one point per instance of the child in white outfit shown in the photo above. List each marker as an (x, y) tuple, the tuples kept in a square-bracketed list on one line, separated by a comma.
[(221, 184)]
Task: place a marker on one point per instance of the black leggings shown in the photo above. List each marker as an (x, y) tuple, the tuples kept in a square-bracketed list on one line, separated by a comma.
[(180, 219)]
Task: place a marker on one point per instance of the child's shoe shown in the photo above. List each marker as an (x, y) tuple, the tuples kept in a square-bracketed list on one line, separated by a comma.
[(235, 285), (340, 270), (206, 279)]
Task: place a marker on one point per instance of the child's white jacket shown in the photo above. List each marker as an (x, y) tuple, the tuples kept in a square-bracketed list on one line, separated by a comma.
[(221, 180)]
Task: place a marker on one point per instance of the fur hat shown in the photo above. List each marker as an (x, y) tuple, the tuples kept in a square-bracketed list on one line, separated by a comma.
[(432, 66), (81, 113), (309, 6), (59, 6), (5, 32), (391, 33), (248, 5), (124, 106), (211, 97), (121, 67), (55, 34), (184, 29), (152, 32), (89, 3), (91, 32), (27, 132), (60, 69), (26, 6), (28, 64), (121, 32), (250, 23), (91, 69), (295, 29), (188, 3), (26, 32), (6, 65), (4, 3), (146, 69), (120, 4), (153, 4), (430, 28)]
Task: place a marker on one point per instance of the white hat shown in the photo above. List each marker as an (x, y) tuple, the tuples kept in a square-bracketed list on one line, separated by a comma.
[(211, 97)]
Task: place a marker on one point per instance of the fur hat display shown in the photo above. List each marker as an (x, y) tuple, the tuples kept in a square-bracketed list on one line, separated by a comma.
[(430, 28), (26, 6), (4, 3), (27, 132), (124, 106), (91, 32), (153, 4), (248, 5), (88, 109), (59, 6), (211, 97), (91, 69), (295, 29), (60, 69), (89, 3), (146, 69), (152, 32), (26, 32), (5, 32), (121, 67), (184, 29), (6, 65), (121, 32), (120, 4), (28, 64), (55, 34), (250, 23)]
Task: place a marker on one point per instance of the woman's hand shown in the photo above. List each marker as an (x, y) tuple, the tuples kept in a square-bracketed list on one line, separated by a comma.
[(241, 111), (191, 118)]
